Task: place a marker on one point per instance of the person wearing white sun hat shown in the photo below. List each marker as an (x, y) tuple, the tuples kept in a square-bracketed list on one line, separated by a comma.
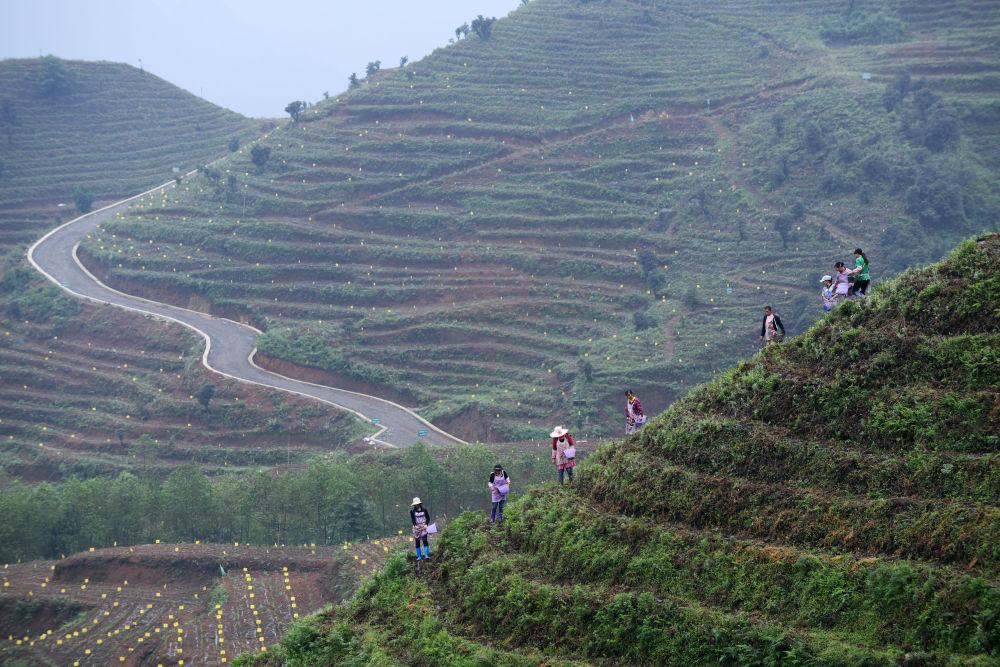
[(563, 452), (421, 520), (829, 298)]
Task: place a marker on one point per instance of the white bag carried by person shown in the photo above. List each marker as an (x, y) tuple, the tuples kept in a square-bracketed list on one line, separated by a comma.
[(432, 528), (570, 453)]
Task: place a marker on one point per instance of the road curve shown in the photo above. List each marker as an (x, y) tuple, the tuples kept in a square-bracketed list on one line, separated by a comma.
[(229, 345)]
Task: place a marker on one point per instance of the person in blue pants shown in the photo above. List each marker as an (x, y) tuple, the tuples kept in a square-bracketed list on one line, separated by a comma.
[(499, 488), (421, 519)]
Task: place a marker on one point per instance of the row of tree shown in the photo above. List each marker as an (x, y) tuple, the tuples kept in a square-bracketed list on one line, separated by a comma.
[(331, 500)]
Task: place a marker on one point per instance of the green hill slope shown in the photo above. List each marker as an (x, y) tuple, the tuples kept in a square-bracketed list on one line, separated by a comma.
[(86, 390), (599, 194), (834, 501), (106, 127)]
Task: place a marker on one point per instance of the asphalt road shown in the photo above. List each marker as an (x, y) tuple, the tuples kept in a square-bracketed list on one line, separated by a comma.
[(229, 344)]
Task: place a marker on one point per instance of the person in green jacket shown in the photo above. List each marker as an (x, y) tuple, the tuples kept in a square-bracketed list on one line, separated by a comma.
[(862, 278)]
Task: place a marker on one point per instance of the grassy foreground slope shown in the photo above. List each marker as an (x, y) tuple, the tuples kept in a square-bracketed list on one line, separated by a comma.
[(600, 194), (833, 501), (87, 390)]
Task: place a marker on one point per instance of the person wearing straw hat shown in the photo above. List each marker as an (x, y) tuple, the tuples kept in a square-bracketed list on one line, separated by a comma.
[(499, 488), (421, 519), (563, 452), (829, 298)]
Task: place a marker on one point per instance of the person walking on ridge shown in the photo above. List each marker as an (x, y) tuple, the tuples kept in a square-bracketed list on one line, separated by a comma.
[(499, 488), (862, 277), (421, 520), (563, 452), (829, 299), (770, 326), (635, 418)]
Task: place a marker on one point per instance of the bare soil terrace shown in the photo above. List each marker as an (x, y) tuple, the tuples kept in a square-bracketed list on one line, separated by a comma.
[(172, 604)]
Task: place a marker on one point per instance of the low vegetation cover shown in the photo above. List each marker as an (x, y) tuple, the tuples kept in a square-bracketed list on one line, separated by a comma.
[(88, 390), (833, 501), (101, 130), (587, 196)]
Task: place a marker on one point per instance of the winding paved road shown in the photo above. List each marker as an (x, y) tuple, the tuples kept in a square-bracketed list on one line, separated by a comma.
[(229, 345)]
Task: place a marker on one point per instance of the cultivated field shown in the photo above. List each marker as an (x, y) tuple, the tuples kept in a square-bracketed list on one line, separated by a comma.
[(87, 390), (600, 195), (167, 604), (110, 391)]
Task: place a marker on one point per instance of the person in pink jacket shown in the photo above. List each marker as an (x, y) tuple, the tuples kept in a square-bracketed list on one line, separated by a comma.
[(499, 488), (563, 452)]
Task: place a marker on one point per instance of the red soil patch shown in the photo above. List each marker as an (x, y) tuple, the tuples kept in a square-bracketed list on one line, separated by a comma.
[(668, 336), (470, 424), (331, 379)]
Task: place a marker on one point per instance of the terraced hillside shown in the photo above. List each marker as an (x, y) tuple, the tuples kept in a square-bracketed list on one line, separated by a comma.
[(166, 604), (598, 195), (105, 127), (86, 390), (833, 501), (106, 391)]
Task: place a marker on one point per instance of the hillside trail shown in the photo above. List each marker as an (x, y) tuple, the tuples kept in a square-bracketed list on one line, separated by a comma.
[(668, 336), (229, 345)]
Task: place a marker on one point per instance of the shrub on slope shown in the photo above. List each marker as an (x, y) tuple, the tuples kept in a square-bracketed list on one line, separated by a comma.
[(773, 516)]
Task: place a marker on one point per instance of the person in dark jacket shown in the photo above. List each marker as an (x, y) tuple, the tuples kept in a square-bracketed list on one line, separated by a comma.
[(634, 415), (770, 326), (499, 488), (420, 518)]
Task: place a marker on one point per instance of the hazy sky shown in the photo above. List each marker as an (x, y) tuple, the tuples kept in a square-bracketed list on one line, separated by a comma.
[(252, 56)]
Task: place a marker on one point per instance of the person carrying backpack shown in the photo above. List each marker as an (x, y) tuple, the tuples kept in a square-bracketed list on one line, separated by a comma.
[(499, 488), (770, 326), (421, 520), (563, 453), (862, 276)]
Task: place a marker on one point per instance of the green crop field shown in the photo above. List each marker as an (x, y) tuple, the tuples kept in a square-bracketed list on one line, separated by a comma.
[(833, 501), (105, 127), (599, 195), (88, 390), (99, 391), (102, 129)]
